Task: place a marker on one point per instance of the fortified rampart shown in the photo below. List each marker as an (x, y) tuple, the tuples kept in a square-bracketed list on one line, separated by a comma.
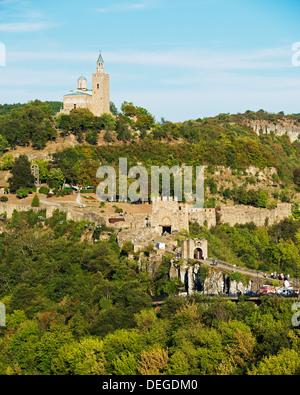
[(168, 216), (240, 215), (71, 214)]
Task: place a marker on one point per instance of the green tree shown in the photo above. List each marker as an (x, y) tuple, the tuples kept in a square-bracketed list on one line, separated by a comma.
[(35, 201), (91, 137), (43, 169), (128, 109), (108, 121), (296, 176), (81, 119), (7, 161), (286, 362), (80, 358), (63, 122), (86, 173), (284, 195), (55, 178), (144, 122), (285, 256), (125, 363), (113, 108), (122, 129), (128, 248), (262, 198), (4, 144), (21, 174), (296, 210)]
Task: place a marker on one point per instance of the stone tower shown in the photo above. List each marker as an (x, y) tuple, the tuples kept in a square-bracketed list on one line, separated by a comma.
[(100, 87)]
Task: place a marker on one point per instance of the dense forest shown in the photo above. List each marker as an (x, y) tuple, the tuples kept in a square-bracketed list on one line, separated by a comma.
[(5, 109), (80, 307), (222, 141), (77, 303)]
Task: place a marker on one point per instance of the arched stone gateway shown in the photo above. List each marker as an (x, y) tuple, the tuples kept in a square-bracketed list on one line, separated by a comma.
[(198, 253), (194, 249), (166, 225)]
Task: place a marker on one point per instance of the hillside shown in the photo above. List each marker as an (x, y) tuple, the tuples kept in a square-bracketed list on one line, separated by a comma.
[(244, 154), (79, 302), (79, 308)]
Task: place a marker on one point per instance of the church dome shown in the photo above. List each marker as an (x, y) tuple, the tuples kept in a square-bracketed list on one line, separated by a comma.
[(82, 83)]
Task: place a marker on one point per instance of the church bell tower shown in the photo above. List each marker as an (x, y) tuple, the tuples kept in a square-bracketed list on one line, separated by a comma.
[(100, 87)]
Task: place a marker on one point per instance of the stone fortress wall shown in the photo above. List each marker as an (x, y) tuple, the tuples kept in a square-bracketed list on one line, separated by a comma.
[(240, 215), (71, 213), (170, 215), (167, 215)]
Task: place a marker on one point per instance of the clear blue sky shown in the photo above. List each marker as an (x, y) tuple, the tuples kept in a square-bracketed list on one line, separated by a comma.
[(180, 59)]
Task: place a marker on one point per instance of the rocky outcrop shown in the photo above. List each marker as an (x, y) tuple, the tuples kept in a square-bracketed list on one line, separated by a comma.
[(219, 282), (216, 281), (280, 129)]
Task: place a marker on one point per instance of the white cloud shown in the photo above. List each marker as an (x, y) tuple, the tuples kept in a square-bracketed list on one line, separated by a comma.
[(25, 27), (197, 59), (266, 59), (22, 16), (17, 56), (12, 77)]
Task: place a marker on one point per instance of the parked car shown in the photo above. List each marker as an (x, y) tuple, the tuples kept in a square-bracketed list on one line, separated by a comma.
[(289, 293), (250, 293)]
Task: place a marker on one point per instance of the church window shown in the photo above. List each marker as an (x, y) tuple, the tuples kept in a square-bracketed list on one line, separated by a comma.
[(97, 86)]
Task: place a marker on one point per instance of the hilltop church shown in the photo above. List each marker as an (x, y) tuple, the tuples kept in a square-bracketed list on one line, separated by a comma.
[(97, 99)]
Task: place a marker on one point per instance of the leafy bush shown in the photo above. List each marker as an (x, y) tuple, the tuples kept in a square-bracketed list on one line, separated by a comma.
[(22, 192), (44, 190), (35, 201)]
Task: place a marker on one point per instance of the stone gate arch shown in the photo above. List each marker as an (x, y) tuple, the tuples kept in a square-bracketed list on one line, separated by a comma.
[(166, 225), (198, 253), (194, 249)]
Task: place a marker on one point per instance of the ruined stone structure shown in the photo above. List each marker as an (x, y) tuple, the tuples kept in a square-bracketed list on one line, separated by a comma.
[(96, 100)]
